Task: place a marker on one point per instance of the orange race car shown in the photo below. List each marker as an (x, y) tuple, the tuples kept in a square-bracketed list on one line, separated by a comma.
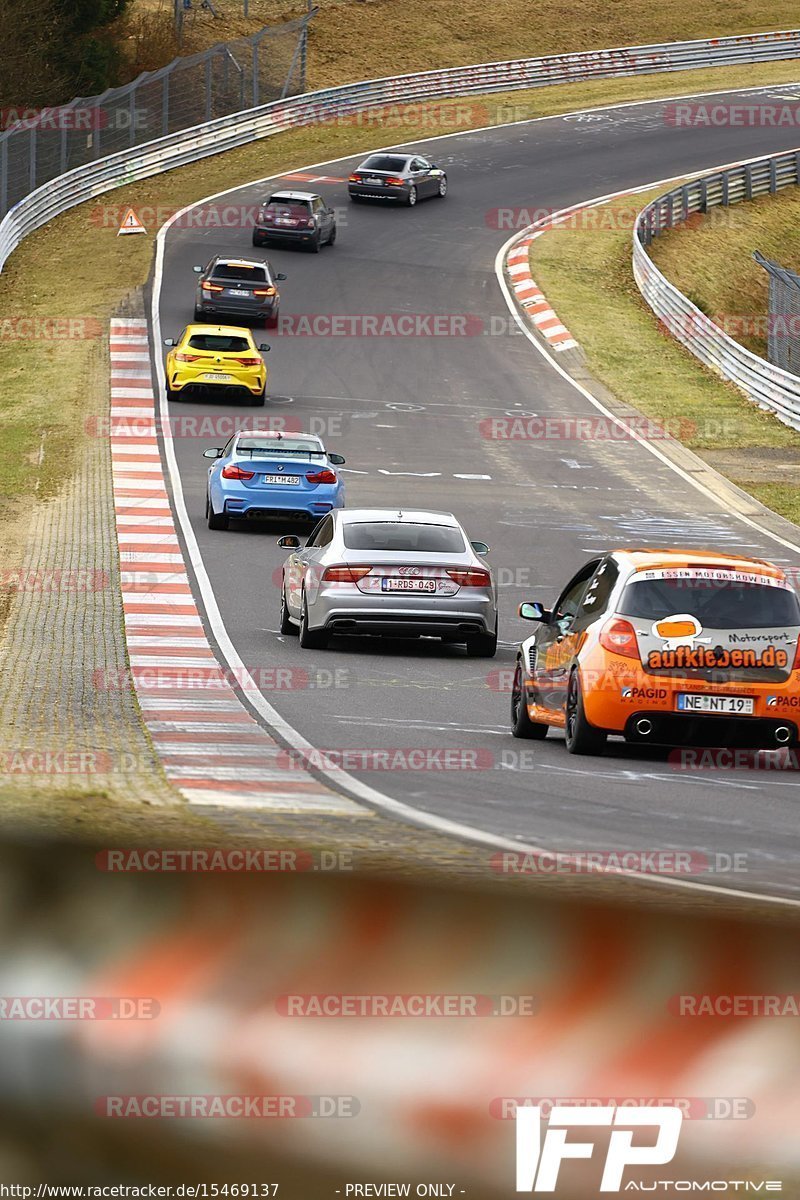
[(664, 646)]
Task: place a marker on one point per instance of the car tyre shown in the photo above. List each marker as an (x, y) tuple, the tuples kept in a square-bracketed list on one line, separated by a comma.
[(315, 243), (332, 238), (310, 639), (442, 187), (411, 198), (215, 520), (521, 724), (581, 736), (172, 395), (258, 401), (272, 321), (286, 626), (482, 645), (258, 241)]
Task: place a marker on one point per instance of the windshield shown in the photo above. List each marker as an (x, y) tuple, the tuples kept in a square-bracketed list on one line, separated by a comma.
[(262, 449), (384, 162), (403, 535), (229, 271), (218, 343), (716, 603)]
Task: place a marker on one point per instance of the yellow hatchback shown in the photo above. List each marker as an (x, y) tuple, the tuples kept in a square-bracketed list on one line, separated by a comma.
[(214, 357)]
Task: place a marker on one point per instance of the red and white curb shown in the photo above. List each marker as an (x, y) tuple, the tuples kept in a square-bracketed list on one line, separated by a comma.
[(531, 298), (212, 748)]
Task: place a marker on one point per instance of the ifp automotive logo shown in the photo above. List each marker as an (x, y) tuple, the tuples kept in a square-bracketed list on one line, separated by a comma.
[(539, 1160)]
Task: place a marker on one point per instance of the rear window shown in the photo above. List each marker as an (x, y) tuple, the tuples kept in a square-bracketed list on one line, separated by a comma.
[(297, 207), (231, 271), (384, 162), (403, 536), (218, 343), (716, 603), (268, 448)]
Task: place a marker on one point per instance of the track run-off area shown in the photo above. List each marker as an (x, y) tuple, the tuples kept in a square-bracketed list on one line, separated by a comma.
[(413, 415)]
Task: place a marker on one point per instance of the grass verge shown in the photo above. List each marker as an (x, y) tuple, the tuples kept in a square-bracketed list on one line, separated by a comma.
[(366, 39)]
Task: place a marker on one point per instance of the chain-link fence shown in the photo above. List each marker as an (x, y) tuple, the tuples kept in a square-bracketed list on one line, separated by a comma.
[(783, 321), (228, 78)]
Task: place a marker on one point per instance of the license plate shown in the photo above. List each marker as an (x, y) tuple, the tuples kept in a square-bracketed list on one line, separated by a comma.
[(408, 585), (292, 479), (374, 182), (286, 221), (237, 292), (217, 377), (714, 704)]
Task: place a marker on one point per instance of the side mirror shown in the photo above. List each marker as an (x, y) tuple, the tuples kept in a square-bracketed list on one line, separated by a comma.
[(197, 270), (214, 452), (534, 612), (289, 542), (337, 459), (264, 347), (170, 342), (480, 547), (280, 276)]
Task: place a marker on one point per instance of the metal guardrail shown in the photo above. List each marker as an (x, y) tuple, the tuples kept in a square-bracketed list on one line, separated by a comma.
[(770, 387), (213, 137)]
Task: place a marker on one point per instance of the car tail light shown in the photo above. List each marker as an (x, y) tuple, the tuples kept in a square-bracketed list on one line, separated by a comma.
[(354, 179), (213, 287), (266, 216), (344, 574), (471, 577), (393, 181), (619, 637), (248, 362), (270, 291), (232, 471), (321, 477), (181, 357)]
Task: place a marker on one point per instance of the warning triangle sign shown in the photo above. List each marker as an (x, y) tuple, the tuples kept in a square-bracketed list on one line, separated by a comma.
[(131, 224)]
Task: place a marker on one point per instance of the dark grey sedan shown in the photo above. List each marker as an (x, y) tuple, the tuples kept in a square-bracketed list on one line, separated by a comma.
[(405, 178), (238, 287)]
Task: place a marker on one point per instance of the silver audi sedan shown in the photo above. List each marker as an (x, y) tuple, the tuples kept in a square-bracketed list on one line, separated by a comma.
[(394, 572)]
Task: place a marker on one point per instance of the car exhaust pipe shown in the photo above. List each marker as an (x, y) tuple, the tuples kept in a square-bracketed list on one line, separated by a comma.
[(644, 727), (783, 734)]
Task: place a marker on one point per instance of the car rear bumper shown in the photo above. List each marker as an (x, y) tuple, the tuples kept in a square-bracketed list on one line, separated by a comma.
[(679, 729), (260, 506), (209, 308), (366, 192), (254, 384), (400, 624), (269, 233)]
